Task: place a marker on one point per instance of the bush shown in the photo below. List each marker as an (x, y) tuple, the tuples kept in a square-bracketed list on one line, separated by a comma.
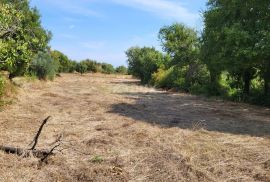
[(107, 68), (73, 65), (121, 70), (81, 67), (43, 66)]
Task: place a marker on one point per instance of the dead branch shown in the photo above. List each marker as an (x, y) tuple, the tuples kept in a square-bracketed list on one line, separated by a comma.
[(42, 154), (24, 152), (50, 152), (35, 141)]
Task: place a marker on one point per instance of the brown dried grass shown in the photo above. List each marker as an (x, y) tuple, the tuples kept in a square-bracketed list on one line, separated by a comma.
[(137, 137)]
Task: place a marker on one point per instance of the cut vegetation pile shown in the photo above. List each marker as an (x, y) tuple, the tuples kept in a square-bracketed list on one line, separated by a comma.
[(115, 130)]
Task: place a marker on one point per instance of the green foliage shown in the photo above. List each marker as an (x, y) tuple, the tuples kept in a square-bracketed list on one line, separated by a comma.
[(72, 66), (107, 68), (96, 67), (143, 62), (175, 77), (92, 66), (181, 43), (231, 60), (185, 72), (65, 65), (21, 36), (164, 78), (81, 68), (236, 39), (43, 66), (121, 70), (97, 159)]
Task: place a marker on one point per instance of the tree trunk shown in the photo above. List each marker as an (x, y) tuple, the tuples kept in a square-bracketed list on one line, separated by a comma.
[(247, 80), (266, 78), (266, 86), (213, 77)]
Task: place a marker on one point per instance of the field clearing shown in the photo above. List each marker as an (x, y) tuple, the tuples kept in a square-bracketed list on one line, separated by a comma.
[(116, 130)]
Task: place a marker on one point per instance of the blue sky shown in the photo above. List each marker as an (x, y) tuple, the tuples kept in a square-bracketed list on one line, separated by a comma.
[(104, 29)]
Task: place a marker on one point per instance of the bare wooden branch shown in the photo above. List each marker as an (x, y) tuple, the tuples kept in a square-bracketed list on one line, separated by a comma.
[(35, 141), (50, 152), (42, 154), (24, 152)]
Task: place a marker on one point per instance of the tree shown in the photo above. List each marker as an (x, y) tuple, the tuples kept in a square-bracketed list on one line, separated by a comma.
[(262, 45), (64, 63), (181, 43), (235, 39), (143, 62), (21, 35)]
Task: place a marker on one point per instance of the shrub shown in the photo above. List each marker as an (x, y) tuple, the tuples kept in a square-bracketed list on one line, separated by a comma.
[(73, 65), (107, 68), (185, 78), (81, 67), (43, 66), (121, 70)]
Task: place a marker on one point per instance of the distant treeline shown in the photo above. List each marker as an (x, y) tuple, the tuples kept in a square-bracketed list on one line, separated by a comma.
[(229, 59)]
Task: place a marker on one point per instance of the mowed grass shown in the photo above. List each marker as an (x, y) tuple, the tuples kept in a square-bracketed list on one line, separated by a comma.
[(117, 130)]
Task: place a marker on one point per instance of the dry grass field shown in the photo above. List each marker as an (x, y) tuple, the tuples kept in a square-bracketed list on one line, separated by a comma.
[(116, 130)]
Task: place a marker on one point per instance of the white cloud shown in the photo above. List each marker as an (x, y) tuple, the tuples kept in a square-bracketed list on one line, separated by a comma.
[(164, 8), (74, 7)]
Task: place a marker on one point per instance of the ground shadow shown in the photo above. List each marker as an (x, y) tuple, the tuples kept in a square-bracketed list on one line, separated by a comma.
[(191, 112)]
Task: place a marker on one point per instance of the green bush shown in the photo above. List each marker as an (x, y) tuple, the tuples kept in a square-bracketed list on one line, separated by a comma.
[(107, 68), (121, 70), (182, 78), (81, 67), (171, 78), (43, 66)]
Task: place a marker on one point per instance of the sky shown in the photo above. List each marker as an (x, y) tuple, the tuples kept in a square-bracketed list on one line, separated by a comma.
[(104, 29)]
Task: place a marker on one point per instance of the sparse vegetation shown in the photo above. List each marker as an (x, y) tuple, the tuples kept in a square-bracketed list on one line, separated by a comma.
[(97, 159)]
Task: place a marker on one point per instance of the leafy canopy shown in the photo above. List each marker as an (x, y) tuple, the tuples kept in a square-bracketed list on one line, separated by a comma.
[(21, 35)]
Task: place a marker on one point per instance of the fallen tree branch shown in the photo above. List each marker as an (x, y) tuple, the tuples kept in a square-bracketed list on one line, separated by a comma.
[(35, 141), (50, 152), (42, 154), (25, 152)]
